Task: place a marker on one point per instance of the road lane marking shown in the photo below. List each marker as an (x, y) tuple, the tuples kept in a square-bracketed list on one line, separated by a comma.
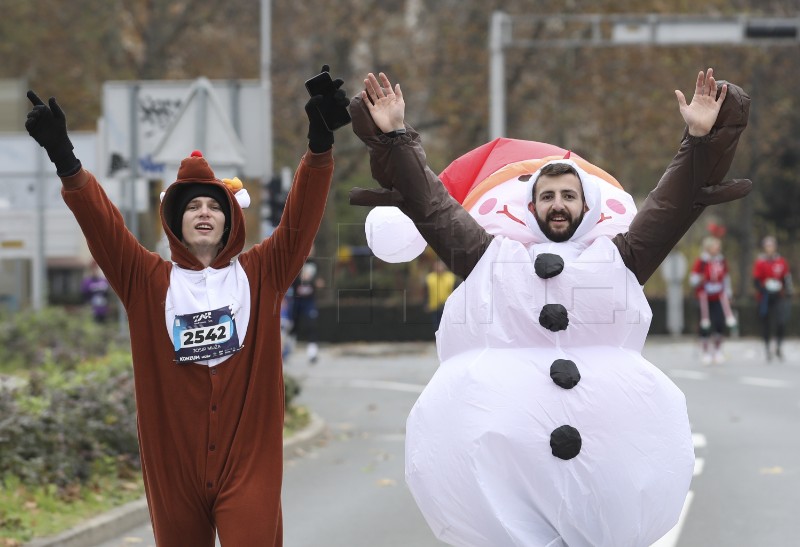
[(380, 384), (698, 440), (699, 464), (670, 539), (689, 374), (763, 382)]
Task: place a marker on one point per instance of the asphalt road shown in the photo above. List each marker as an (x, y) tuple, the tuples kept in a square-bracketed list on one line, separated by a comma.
[(349, 489), (745, 416)]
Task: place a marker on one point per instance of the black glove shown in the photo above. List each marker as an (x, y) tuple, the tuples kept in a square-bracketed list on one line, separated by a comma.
[(48, 126), (320, 138)]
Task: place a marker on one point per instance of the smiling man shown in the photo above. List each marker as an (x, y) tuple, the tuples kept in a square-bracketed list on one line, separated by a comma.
[(202, 220), (544, 426), (557, 201), (205, 331)]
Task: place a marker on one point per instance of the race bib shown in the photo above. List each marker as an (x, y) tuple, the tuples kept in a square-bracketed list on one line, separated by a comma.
[(205, 335), (304, 290), (713, 288), (773, 285)]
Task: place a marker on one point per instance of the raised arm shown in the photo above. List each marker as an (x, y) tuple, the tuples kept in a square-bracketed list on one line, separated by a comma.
[(283, 254), (125, 262), (399, 164), (693, 180)]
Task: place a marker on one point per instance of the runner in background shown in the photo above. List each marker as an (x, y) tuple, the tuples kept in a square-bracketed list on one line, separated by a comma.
[(773, 283), (711, 281)]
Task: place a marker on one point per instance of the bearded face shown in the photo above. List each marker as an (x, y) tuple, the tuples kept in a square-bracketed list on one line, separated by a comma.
[(559, 225), (558, 206)]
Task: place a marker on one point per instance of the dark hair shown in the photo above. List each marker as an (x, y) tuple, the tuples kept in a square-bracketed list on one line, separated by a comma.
[(556, 170)]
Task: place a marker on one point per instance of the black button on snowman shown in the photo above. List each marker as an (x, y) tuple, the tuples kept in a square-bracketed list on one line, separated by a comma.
[(565, 441)]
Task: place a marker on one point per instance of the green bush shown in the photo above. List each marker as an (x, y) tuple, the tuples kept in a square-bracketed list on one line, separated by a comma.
[(74, 416), (291, 389), (62, 425), (30, 339)]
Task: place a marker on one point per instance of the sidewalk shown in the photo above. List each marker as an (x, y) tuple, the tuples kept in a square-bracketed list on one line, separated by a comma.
[(117, 521)]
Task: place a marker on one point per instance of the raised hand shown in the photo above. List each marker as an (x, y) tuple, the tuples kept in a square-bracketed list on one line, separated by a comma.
[(326, 112), (701, 114), (386, 106), (48, 126)]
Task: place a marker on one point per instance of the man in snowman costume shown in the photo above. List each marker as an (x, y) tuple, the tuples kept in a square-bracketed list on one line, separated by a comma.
[(544, 425)]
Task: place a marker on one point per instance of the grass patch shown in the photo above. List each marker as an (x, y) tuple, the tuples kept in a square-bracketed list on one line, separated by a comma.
[(296, 418), (27, 512)]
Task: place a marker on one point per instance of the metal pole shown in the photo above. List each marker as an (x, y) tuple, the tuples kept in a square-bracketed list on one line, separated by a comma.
[(39, 274), (266, 92), (236, 90), (129, 194), (497, 74), (201, 127), (134, 218)]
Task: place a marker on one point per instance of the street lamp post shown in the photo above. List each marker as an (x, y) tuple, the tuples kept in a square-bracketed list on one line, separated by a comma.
[(623, 30), (39, 289), (266, 91), (499, 33)]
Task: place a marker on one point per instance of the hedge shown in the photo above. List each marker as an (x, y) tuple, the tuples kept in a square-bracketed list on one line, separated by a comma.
[(74, 414)]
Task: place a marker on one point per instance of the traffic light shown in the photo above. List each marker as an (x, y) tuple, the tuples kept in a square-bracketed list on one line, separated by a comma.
[(277, 200), (775, 29)]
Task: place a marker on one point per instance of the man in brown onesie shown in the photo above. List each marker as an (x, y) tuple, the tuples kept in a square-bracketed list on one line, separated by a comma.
[(205, 333)]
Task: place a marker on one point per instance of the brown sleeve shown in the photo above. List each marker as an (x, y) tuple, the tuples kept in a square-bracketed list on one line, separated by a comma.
[(692, 181), (400, 166), (77, 180), (127, 265), (280, 257)]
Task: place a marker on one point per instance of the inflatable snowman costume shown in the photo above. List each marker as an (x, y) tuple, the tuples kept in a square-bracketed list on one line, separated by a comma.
[(544, 425)]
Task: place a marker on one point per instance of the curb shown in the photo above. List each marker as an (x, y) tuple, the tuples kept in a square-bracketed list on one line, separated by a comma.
[(99, 529), (377, 349), (117, 521), (301, 441)]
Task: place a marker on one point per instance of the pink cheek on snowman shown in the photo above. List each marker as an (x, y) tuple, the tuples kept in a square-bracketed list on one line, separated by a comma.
[(487, 206), (615, 206)]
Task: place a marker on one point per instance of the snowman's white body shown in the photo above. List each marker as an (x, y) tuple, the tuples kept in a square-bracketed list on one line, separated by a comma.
[(478, 456)]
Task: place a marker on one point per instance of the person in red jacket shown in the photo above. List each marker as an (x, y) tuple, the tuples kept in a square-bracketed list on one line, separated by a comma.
[(773, 282), (712, 285), (205, 332)]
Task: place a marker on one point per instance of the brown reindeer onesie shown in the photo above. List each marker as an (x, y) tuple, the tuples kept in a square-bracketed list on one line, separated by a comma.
[(207, 355)]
